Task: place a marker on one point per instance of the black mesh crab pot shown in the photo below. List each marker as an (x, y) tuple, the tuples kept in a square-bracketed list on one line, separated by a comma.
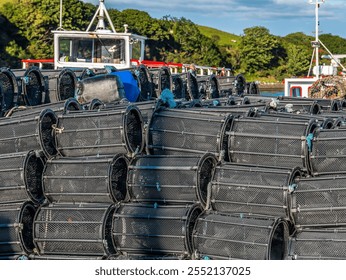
[(178, 87), (277, 142), (76, 230), (208, 86), (300, 106), (225, 236), (253, 189), (319, 244), (171, 179), (179, 131), (22, 134), (8, 90), (192, 87), (91, 133), (106, 87), (62, 84), (21, 177), (33, 86), (326, 105), (86, 179), (154, 229), (161, 79), (226, 85), (16, 228), (322, 120), (320, 201), (145, 107), (61, 107), (145, 82), (328, 153)]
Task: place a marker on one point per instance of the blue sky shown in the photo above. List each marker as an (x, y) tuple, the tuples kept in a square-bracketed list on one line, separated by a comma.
[(281, 17)]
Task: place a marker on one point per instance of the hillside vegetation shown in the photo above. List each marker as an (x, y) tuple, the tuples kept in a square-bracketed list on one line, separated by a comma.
[(25, 32)]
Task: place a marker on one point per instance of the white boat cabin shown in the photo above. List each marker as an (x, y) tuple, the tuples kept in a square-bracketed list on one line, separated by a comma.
[(99, 48)]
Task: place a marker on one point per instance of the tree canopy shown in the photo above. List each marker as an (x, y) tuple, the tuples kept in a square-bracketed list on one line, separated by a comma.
[(26, 25)]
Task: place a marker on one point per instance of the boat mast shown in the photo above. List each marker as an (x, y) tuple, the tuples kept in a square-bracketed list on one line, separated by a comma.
[(100, 15), (316, 43)]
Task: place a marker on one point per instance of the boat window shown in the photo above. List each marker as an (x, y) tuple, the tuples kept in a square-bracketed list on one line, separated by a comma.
[(136, 49), (92, 50), (110, 51), (296, 91)]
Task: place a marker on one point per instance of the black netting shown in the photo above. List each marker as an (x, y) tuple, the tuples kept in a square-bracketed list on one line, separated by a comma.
[(74, 230), (16, 234), (87, 179), (173, 131), (8, 90), (150, 229), (171, 179), (146, 83), (33, 86), (161, 79), (328, 151), (19, 134), (222, 236), (271, 140), (320, 201), (104, 132), (252, 189), (62, 84), (319, 244)]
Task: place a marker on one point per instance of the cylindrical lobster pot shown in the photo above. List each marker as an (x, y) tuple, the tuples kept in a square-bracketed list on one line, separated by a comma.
[(16, 228), (33, 86), (91, 133), (179, 131), (209, 86), (22, 134), (153, 229), (8, 90), (79, 230), (300, 105), (226, 85), (319, 244), (192, 87), (94, 104), (275, 141), (328, 154), (21, 177), (253, 189), (86, 179), (61, 107), (62, 84), (178, 88), (161, 79), (171, 179), (252, 88), (145, 81), (224, 236), (320, 201), (239, 85), (105, 87)]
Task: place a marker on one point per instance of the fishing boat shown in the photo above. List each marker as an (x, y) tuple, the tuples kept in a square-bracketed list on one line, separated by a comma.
[(302, 86)]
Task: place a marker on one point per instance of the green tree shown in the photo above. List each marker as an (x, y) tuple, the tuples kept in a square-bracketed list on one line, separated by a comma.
[(260, 51)]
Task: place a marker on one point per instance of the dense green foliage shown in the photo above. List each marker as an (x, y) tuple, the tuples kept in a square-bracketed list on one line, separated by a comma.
[(26, 25)]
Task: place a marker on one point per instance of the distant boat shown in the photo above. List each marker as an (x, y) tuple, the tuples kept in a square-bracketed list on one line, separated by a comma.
[(303, 87)]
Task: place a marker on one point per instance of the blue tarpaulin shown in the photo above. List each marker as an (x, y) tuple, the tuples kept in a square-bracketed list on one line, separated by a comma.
[(130, 84)]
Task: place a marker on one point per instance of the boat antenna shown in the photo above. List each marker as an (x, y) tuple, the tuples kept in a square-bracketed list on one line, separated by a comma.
[(316, 44), (100, 14), (60, 21)]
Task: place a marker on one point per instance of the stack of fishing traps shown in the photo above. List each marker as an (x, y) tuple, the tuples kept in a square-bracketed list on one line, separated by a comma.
[(238, 177)]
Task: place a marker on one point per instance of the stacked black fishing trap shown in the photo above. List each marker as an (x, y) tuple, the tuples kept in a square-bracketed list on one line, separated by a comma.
[(217, 173)]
